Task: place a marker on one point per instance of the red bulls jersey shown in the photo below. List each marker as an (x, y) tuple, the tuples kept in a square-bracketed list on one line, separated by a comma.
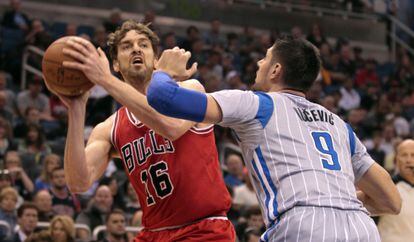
[(177, 182)]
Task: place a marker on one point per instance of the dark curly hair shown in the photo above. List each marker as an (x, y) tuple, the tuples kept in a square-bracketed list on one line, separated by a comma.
[(115, 38)]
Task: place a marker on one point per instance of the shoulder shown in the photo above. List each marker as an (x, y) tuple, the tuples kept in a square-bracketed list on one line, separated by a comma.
[(192, 84)]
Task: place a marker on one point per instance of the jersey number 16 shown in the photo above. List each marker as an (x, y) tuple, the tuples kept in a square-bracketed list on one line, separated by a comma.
[(160, 180)]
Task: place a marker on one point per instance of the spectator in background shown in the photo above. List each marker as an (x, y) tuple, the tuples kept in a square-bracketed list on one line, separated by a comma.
[(50, 162), (115, 227), (31, 117), (8, 201), (376, 152), (244, 195), (233, 81), (401, 227), (235, 175), (131, 201), (10, 96), (297, 32), (71, 29), (213, 36), (316, 36), (401, 125), (62, 229), (40, 236), (20, 179), (112, 183), (15, 18), (27, 218), (5, 179), (114, 21), (198, 54), (100, 38), (43, 202), (359, 61), (38, 36), (193, 34), (63, 202), (34, 98), (97, 211), (4, 111), (34, 146), (346, 62), (367, 75), (350, 98), (169, 41), (253, 221), (6, 138)]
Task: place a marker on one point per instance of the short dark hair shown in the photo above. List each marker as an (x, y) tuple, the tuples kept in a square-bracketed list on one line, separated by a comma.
[(115, 211), (253, 210), (57, 169), (115, 38), (24, 206), (300, 60)]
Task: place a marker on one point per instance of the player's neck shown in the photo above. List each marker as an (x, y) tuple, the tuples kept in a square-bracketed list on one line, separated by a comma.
[(278, 88)]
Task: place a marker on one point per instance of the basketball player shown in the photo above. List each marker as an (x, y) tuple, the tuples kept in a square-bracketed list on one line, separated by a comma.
[(304, 161), (172, 164)]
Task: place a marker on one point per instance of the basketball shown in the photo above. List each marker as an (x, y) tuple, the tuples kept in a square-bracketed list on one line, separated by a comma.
[(59, 79)]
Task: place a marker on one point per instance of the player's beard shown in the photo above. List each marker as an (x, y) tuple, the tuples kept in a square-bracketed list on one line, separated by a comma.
[(137, 77)]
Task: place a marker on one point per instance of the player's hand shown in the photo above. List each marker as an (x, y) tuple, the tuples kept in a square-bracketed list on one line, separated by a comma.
[(91, 61), (71, 101), (174, 62)]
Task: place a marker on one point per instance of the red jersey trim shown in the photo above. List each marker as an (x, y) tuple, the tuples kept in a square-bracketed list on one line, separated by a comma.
[(114, 128), (205, 130), (183, 225), (132, 119)]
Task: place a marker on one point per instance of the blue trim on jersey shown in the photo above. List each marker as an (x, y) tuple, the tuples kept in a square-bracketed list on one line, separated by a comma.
[(266, 108), (269, 181), (265, 236), (267, 198), (351, 139)]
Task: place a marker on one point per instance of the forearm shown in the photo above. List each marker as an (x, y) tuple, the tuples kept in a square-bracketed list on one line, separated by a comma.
[(77, 173), (28, 184), (168, 98), (373, 208), (137, 103)]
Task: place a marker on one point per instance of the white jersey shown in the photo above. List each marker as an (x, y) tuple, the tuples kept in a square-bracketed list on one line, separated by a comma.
[(298, 153)]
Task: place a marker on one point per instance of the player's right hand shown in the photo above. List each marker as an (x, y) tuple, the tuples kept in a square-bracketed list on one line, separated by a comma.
[(71, 101), (174, 62)]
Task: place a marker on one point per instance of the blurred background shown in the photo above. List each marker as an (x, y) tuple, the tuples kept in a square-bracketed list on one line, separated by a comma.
[(367, 49)]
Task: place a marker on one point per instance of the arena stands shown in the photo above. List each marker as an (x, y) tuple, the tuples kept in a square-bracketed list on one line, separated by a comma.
[(374, 94)]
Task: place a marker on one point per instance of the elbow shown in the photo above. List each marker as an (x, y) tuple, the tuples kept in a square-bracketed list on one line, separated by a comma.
[(77, 188), (395, 207)]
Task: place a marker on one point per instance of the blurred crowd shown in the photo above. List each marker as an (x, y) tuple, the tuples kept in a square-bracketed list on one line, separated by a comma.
[(376, 99)]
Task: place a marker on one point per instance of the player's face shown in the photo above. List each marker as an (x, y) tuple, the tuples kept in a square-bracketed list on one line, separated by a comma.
[(135, 59), (405, 160), (264, 73)]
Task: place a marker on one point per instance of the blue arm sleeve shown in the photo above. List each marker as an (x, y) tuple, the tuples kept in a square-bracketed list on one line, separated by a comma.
[(165, 96)]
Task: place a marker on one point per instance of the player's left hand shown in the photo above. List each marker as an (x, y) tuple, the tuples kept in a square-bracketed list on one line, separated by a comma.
[(91, 61), (174, 62)]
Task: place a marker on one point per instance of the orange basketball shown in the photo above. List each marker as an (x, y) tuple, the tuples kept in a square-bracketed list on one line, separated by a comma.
[(59, 79)]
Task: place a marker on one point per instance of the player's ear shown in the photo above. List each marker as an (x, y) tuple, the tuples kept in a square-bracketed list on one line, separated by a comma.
[(276, 71), (115, 65)]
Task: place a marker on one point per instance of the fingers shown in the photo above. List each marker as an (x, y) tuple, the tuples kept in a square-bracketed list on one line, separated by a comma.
[(83, 42), (73, 65), (192, 70), (74, 54), (73, 44)]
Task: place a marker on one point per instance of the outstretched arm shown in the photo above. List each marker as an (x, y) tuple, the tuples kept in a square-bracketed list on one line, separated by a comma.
[(95, 66), (84, 165)]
